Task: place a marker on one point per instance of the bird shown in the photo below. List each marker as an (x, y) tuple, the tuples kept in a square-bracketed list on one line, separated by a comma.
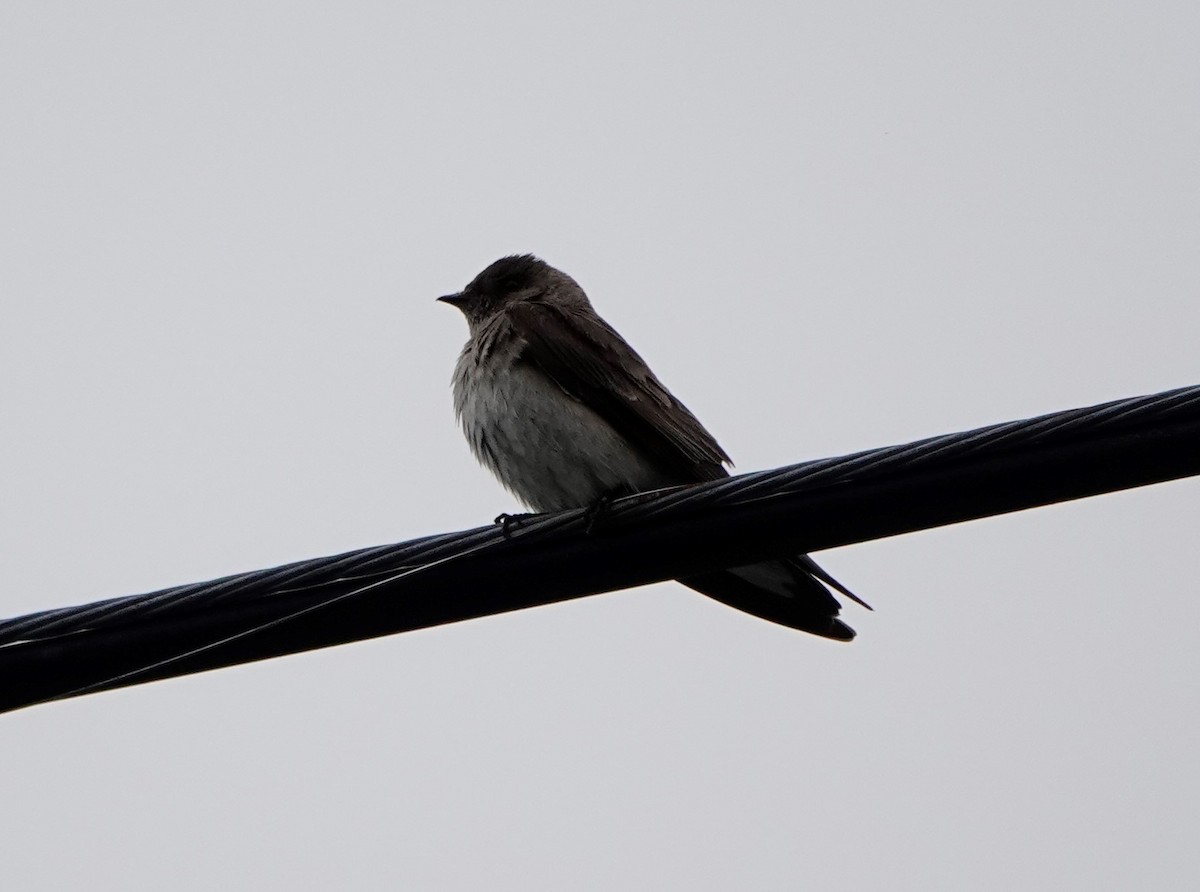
[(558, 406)]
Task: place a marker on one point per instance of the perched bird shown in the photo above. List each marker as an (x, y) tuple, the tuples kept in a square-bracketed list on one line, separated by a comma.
[(563, 411)]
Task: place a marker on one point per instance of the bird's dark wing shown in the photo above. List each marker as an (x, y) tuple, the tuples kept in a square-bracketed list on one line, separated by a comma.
[(584, 356), (591, 362)]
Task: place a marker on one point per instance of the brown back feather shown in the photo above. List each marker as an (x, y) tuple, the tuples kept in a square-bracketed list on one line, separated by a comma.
[(584, 356)]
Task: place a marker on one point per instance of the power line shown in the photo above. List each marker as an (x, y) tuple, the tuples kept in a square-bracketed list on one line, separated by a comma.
[(645, 538)]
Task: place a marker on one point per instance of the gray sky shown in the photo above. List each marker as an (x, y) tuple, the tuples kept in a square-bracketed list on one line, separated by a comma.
[(828, 227)]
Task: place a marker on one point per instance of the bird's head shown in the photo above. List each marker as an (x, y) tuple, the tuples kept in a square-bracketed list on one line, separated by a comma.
[(520, 277)]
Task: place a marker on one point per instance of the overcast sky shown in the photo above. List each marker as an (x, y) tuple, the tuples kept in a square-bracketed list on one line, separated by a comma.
[(828, 226)]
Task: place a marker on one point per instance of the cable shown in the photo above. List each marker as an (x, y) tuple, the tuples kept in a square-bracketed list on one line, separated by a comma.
[(546, 558)]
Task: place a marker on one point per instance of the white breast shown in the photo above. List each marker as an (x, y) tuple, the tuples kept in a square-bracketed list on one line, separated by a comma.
[(545, 446)]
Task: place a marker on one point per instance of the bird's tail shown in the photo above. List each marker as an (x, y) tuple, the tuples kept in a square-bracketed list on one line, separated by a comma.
[(789, 591)]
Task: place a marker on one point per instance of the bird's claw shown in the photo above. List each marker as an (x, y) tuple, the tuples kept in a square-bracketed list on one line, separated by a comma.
[(509, 522), (596, 511)]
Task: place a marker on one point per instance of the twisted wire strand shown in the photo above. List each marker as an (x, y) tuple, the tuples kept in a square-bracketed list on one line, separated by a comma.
[(387, 562), (291, 614)]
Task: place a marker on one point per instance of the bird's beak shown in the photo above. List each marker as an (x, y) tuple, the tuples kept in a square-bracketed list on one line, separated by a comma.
[(455, 300)]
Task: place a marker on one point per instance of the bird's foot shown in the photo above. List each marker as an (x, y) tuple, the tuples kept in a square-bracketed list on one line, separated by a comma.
[(596, 511), (509, 522)]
